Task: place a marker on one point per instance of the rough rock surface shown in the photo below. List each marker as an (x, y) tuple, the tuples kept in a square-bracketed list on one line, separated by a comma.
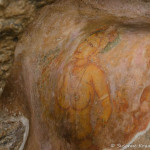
[(15, 15), (13, 132)]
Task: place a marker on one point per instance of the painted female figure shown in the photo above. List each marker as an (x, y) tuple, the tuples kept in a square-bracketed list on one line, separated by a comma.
[(83, 100)]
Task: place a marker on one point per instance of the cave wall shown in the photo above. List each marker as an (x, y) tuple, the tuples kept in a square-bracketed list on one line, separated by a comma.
[(15, 15), (104, 46)]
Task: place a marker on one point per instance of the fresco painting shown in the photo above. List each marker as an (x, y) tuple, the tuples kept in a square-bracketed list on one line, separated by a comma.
[(77, 97), (83, 82), (74, 75)]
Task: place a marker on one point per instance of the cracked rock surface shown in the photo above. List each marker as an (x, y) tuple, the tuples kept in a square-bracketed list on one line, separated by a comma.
[(15, 15), (13, 132)]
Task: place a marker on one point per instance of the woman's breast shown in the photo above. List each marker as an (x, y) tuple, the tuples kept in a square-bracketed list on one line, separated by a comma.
[(82, 96)]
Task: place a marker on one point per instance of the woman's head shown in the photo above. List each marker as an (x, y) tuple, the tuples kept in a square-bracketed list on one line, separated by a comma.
[(95, 43)]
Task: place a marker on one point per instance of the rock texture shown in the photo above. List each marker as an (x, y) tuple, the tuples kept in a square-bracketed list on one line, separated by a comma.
[(13, 132), (15, 15)]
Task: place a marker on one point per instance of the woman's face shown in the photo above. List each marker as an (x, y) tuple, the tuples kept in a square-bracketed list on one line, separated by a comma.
[(91, 46), (95, 43), (84, 50)]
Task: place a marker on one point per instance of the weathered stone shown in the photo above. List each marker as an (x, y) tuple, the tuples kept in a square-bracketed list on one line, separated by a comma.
[(14, 17), (4, 3), (13, 132), (81, 74), (63, 64)]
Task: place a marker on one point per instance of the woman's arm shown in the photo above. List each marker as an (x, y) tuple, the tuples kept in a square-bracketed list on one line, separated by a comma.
[(102, 91)]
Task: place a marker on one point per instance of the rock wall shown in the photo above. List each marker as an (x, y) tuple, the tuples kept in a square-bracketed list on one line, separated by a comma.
[(15, 15), (80, 75)]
